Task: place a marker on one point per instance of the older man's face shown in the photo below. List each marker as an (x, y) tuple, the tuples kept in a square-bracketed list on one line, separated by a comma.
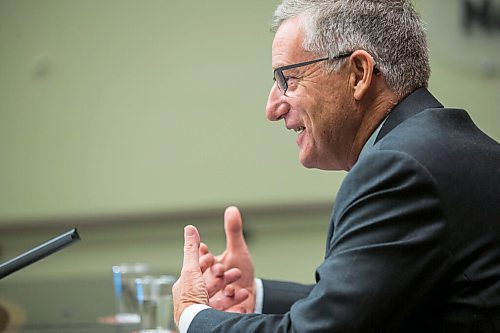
[(317, 105)]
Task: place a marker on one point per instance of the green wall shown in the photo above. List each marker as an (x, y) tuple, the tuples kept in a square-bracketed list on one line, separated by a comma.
[(117, 109), (124, 106), (138, 106)]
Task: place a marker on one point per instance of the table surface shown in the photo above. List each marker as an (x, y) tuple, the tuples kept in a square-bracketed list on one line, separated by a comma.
[(70, 306)]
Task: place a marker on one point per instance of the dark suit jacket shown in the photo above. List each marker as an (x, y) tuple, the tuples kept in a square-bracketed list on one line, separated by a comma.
[(414, 241)]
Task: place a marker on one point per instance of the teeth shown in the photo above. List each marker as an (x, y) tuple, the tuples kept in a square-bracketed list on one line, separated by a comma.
[(299, 129)]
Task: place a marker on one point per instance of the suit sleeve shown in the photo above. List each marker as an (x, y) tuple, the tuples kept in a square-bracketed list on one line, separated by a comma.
[(279, 296), (384, 258)]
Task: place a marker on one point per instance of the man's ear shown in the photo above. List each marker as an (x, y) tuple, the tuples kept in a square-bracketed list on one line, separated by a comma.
[(362, 67)]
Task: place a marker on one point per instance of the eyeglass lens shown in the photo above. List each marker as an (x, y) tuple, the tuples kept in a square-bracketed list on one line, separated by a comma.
[(280, 80)]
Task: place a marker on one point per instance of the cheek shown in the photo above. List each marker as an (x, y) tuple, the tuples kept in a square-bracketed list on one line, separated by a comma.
[(322, 114), (330, 124), (326, 135)]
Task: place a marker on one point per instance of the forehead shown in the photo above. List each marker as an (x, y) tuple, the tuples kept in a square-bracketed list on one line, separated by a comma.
[(287, 43)]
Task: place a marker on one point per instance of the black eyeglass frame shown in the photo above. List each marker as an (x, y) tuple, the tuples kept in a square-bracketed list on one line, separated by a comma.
[(280, 78)]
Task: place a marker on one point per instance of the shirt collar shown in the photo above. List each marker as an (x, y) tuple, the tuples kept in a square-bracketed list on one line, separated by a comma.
[(371, 140)]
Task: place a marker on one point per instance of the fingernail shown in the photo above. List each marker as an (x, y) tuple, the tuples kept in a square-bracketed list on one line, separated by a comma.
[(188, 230)]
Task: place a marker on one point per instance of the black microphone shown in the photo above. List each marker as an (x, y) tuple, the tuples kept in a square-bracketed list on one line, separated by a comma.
[(39, 252)]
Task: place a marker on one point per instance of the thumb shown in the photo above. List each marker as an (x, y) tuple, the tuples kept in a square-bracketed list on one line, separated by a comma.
[(233, 227), (191, 246)]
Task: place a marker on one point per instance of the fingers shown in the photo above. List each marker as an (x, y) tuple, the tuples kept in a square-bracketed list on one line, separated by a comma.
[(229, 291), (203, 249), (217, 270), (218, 282), (191, 247), (239, 305), (206, 261), (232, 275), (233, 227), (230, 300)]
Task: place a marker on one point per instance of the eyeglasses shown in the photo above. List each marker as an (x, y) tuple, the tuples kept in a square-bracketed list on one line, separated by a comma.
[(282, 81)]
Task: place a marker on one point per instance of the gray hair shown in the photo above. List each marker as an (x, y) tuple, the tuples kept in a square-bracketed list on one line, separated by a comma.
[(390, 30)]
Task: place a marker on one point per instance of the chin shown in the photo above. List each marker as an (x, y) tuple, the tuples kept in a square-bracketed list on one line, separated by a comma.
[(312, 163), (309, 166), (308, 162)]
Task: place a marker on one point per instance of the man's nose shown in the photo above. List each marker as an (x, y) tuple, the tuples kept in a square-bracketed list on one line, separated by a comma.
[(276, 106)]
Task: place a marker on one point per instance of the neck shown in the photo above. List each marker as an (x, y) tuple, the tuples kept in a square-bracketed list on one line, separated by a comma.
[(374, 111)]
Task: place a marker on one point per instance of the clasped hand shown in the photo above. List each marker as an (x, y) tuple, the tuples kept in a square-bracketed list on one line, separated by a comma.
[(224, 282)]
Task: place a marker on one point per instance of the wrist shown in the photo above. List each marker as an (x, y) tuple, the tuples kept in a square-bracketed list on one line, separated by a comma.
[(188, 315)]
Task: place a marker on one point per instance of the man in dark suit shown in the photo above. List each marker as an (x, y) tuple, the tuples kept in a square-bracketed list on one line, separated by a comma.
[(414, 239)]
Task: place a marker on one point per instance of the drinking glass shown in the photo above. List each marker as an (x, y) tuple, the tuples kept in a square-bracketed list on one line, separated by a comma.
[(154, 296)]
